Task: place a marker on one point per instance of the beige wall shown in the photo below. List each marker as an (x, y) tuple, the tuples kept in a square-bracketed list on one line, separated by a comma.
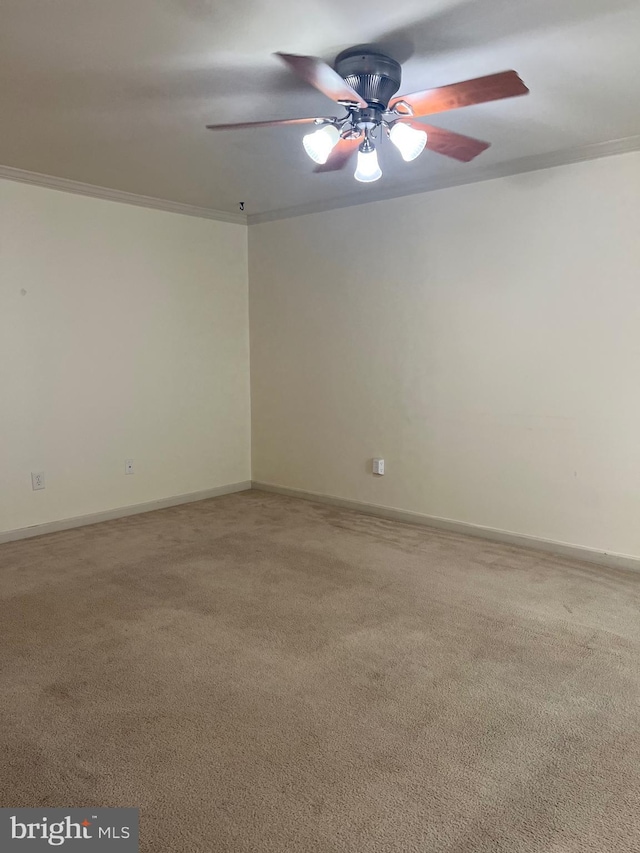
[(123, 334), (484, 340)]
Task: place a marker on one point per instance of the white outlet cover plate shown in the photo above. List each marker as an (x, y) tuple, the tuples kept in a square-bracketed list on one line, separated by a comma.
[(37, 480), (128, 466)]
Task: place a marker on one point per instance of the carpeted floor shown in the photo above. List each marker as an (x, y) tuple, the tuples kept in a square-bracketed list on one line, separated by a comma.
[(259, 673)]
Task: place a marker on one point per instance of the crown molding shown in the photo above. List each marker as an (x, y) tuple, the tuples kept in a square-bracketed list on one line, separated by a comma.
[(66, 185), (519, 166)]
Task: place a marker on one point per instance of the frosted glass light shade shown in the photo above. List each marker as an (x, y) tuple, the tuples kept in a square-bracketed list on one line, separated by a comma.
[(321, 143), (368, 168), (409, 141)]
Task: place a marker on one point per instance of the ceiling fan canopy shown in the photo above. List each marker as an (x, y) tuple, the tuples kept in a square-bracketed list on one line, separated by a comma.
[(365, 81), (374, 76)]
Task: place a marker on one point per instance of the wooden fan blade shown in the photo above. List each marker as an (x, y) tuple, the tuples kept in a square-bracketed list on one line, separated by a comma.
[(320, 75), (340, 155), (492, 88), (273, 123), (451, 144)]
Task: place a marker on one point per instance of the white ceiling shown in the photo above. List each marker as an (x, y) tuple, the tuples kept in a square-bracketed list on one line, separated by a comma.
[(116, 93)]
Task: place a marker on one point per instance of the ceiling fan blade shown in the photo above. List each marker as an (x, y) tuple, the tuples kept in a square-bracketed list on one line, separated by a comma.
[(320, 75), (340, 155), (451, 144), (507, 84), (273, 123)]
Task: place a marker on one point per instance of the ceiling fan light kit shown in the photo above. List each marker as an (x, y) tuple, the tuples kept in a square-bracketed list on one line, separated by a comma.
[(409, 142), (321, 142), (365, 82), (368, 169)]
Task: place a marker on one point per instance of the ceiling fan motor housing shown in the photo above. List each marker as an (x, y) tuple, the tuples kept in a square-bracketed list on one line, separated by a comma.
[(374, 76)]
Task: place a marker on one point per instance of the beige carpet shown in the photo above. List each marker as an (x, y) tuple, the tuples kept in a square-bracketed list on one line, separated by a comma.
[(259, 673)]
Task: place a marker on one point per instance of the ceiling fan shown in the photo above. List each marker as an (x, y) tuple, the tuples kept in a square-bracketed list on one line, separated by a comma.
[(364, 82)]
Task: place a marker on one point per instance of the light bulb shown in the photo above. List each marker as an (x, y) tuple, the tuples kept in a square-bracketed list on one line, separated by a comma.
[(409, 141), (367, 169), (321, 142)]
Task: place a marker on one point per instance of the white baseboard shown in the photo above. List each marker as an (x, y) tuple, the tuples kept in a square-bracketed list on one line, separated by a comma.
[(562, 549), (120, 512)]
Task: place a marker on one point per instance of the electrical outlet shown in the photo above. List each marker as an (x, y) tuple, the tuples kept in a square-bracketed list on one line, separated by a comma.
[(37, 480), (378, 467), (128, 466)]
